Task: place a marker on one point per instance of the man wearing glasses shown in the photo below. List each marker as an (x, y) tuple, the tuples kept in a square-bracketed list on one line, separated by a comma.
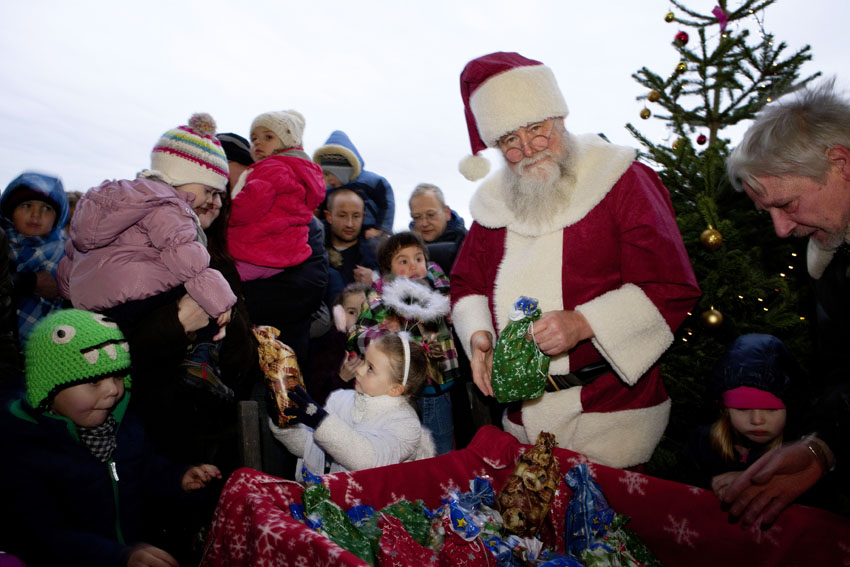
[(578, 224)]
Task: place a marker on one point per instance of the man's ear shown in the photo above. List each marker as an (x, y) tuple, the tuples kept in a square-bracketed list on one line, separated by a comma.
[(327, 215), (840, 158)]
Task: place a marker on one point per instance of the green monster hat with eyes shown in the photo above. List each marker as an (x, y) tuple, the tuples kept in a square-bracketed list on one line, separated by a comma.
[(71, 347)]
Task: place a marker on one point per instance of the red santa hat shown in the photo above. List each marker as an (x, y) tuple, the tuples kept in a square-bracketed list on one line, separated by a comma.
[(502, 92)]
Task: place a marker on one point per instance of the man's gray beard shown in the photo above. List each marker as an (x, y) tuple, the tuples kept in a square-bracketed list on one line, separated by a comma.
[(538, 200)]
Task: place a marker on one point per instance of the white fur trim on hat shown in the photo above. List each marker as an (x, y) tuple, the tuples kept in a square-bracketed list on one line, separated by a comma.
[(338, 150), (288, 125), (474, 167), (515, 98)]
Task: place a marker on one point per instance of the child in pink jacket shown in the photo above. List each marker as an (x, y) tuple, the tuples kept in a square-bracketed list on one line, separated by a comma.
[(137, 245), (274, 200)]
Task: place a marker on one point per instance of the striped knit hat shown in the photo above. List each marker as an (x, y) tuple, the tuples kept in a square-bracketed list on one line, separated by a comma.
[(190, 154), (70, 347)]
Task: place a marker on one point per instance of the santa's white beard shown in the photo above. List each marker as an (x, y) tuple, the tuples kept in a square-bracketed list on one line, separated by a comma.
[(537, 193)]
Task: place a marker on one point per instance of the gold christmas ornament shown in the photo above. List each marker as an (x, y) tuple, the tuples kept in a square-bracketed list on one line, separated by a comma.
[(676, 143), (669, 17), (681, 67), (712, 319), (711, 238), (645, 113), (653, 95)]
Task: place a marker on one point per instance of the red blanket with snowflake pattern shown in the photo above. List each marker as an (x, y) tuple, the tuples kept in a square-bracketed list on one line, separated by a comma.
[(681, 524)]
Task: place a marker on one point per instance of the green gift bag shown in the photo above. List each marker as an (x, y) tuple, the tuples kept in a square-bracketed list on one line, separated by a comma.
[(519, 367)]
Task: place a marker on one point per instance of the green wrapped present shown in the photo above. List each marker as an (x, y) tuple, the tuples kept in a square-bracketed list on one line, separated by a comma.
[(520, 369)]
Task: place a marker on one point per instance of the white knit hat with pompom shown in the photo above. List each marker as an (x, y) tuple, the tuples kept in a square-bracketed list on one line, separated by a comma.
[(288, 125)]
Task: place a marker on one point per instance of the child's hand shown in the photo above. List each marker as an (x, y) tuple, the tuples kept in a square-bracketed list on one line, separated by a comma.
[(362, 275), (198, 477), (721, 482), (349, 366), (144, 555), (305, 410), (222, 322)]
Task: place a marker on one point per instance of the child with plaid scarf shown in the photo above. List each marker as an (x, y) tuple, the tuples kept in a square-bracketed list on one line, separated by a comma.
[(34, 211)]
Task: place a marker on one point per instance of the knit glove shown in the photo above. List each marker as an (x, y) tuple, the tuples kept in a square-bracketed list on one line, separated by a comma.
[(305, 410)]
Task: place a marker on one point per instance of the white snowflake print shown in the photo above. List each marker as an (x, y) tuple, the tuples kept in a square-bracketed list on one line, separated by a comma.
[(450, 486), (681, 532), (634, 482), (352, 489), (696, 490), (770, 536), (580, 460), (396, 498), (495, 463), (302, 562)]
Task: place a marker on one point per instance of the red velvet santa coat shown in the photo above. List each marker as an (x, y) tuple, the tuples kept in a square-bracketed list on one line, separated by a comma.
[(613, 253), (273, 203)]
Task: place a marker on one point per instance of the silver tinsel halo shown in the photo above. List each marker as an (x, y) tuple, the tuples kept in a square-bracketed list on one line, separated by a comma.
[(415, 301)]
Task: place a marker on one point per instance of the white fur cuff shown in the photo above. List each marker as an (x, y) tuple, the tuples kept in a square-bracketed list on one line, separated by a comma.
[(629, 330), (470, 314)]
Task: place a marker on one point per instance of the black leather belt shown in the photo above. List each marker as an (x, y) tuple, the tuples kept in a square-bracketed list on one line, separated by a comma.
[(581, 377)]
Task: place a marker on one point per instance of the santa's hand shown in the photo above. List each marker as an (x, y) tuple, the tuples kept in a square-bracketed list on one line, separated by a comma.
[(306, 410), (481, 361), (557, 332)]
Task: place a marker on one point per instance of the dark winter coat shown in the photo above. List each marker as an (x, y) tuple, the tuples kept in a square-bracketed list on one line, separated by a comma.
[(62, 505), (342, 264)]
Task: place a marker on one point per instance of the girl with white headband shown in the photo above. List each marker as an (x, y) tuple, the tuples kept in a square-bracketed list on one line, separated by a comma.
[(373, 425)]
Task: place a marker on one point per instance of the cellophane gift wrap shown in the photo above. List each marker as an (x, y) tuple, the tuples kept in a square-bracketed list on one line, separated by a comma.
[(280, 369), (520, 369)]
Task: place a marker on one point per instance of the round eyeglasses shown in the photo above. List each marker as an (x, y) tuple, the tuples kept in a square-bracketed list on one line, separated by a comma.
[(513, 147)]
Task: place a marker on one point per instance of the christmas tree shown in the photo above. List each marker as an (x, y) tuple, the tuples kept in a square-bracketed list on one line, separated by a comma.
[(751, 281)]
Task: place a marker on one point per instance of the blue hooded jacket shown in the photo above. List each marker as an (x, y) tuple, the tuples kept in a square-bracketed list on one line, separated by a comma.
[(376, 191), (32, 254)]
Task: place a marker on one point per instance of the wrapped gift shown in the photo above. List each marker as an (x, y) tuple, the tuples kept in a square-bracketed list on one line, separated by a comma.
[(520, 369), (280, 369), (529, 491)]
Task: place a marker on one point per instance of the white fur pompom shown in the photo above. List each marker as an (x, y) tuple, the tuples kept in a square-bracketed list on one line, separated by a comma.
[(203, 124), (474, 167)]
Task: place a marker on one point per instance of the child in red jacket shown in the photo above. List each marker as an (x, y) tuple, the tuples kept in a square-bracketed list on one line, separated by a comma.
[(273, 201)]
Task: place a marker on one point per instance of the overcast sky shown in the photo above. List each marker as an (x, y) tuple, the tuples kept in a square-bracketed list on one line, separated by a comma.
[(88, 87)]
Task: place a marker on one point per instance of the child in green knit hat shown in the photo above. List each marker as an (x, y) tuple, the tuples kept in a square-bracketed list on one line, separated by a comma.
[(79, 463)]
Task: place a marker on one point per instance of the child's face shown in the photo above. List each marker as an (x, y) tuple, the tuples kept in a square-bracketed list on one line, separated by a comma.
[(353, 304), (89, 404), (34, 218), (375, 376), (264, 143), (758, 425), (409, 262), (204, 195)]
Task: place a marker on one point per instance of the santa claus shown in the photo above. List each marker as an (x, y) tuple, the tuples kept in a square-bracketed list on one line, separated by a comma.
[(577, 223)]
